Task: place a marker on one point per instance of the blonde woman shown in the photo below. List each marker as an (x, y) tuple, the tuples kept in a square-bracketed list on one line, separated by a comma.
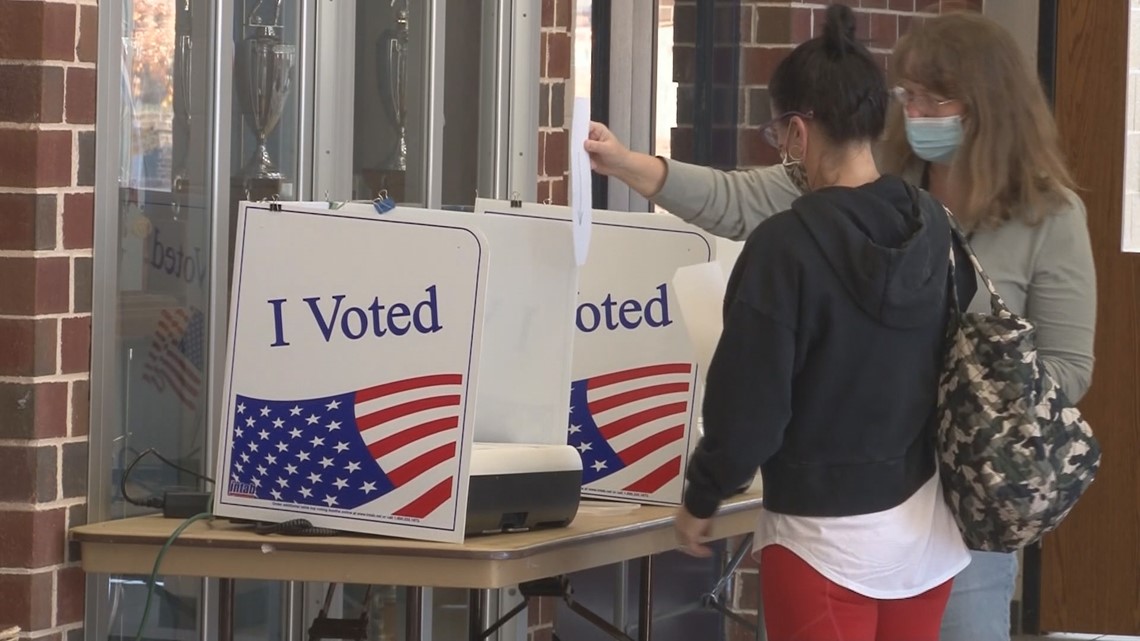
[(971, 125)]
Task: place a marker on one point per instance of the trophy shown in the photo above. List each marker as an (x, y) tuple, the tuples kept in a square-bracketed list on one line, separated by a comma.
[(268, 68), (392, 51)]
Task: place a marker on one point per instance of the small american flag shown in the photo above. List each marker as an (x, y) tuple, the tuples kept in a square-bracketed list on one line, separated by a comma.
[(176, 354), (626, 425), (390, 441)]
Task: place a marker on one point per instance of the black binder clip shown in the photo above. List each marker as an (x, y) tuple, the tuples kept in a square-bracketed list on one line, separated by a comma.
[(273, 204), (516, 201), (383, 203)]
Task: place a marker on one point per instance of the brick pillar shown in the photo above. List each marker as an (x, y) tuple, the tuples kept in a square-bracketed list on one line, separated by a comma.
[(554, 93), (684, 74), (555, 88), (47, 116)]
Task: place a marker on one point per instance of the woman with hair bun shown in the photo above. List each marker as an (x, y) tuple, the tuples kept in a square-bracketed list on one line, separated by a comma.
[(826, 373)]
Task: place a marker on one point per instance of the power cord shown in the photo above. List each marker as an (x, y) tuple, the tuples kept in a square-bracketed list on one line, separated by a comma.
[(295, 527), (175, 504), (153, 580), (180, 501)]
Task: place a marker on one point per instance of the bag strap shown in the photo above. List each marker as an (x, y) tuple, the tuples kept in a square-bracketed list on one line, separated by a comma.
[(997, 304)]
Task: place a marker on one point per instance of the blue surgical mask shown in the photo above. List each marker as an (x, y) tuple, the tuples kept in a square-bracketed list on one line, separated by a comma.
[(934, 139)]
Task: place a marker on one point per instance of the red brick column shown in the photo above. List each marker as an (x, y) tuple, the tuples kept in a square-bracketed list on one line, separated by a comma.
[(684, 74), (47, 170), (554, 89), (557, 51)]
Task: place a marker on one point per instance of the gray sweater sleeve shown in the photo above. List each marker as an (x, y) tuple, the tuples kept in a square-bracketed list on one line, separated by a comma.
[(729, 204), (1061, 300), (1061, 296)]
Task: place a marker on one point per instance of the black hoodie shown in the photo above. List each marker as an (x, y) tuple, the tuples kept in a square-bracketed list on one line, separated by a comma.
[(826, 372)]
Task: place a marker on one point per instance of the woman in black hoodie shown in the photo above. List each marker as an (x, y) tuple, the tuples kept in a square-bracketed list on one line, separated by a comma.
[(826, 373)]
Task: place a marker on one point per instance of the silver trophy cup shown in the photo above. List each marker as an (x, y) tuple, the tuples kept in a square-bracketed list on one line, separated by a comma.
[(392, 50), (269, 66)]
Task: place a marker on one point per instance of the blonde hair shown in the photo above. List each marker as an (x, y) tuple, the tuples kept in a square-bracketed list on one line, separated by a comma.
[(1009, 165)]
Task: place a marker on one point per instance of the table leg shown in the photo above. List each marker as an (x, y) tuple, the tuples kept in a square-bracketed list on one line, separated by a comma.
[(476, 602), (290, 599), (645, 603), (761, 630), (413, 621), (225, 610), (621, 591)]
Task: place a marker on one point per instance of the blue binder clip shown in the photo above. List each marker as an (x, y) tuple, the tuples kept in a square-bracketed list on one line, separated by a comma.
[(383, 203)]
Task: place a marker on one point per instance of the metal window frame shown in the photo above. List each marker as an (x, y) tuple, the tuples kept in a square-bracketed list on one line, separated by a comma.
[(333, 113), (508, 101), (105, 272), (631, 89)]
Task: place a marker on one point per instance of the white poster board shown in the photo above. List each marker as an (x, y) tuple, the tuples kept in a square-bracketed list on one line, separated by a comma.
[(633, 405), (352, 363), (700, 290)]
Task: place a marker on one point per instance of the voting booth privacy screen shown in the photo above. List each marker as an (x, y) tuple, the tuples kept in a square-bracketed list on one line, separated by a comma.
[(633, 401), (367, 352)]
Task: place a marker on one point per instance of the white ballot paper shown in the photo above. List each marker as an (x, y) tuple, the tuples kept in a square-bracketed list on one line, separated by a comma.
[(581, 185), (700, 293)]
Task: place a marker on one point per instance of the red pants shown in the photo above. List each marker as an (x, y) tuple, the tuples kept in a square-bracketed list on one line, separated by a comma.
[(801, 604)]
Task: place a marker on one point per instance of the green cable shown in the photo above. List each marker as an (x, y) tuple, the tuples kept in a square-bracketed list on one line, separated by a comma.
[(158, 562)]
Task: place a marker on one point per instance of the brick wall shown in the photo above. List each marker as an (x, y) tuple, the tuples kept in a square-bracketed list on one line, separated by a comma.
[(767, 31), (556, 51), (47, 116)]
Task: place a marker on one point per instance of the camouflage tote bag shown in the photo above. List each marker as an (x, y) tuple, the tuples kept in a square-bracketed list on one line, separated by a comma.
[(1014, 453)]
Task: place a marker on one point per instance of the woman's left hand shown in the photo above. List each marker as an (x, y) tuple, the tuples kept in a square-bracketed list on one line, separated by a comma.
[(690, 531)]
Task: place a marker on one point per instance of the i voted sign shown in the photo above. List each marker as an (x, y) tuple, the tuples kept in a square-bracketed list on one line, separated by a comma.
[(351, 367), (633, 400)]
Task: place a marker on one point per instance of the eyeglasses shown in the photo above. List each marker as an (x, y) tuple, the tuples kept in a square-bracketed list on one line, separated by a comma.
[(923, 101), (771, 135)]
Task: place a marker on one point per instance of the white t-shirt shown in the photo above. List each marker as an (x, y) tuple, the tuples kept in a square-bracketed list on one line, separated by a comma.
[(893, 554)]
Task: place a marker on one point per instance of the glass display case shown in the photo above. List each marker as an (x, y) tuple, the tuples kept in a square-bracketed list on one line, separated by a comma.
[(152, 286), (203, 104)]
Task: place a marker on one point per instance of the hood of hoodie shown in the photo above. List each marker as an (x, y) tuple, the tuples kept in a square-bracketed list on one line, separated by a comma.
[(888, 243)]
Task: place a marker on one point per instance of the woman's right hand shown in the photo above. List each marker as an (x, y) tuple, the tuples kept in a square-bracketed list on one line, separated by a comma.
[(608, 156), (644, 174)]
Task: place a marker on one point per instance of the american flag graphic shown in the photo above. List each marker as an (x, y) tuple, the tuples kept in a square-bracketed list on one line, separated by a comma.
[(627, 425), (391, 440), (176, 354)]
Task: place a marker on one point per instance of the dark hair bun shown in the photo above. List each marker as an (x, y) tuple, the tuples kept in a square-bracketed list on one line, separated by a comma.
[(839, 30)]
